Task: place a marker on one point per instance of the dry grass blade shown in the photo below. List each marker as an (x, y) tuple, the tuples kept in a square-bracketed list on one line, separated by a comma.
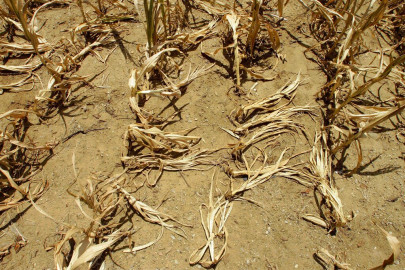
[(152, 215), (213, 223)]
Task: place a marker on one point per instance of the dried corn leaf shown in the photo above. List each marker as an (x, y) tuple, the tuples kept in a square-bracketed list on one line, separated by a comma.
[(17, 198), (152, 215), (320, 169), (233, 21), (134, 250), (15, 86), (87, 250), (274, 39), (396, 250), (281, 117), (213, 223), (16, 48), (259, 176), (5, 250), (138, 75), (316, 220), (373, 119), (157, 140), (40, 210), (328, 261), (256, 75), (271, 130), (173, 88), (193, 38), (22, 68), (255, 25), (268, 104), (280, 7), (59, 259), (191, 161), (16, 113), (216, 8)]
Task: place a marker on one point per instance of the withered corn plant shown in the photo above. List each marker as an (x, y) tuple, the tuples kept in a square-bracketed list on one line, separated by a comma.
[(213, 219), (21, 22), (149, 147), (163, 22), (110, 213), (20, 160), (261, 121), (167, 38), (251, 35), (356, 70), (342, 29), (330, 205), (264, 125)]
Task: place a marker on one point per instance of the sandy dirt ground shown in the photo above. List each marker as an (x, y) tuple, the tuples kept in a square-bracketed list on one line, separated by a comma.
[(270, 234)]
